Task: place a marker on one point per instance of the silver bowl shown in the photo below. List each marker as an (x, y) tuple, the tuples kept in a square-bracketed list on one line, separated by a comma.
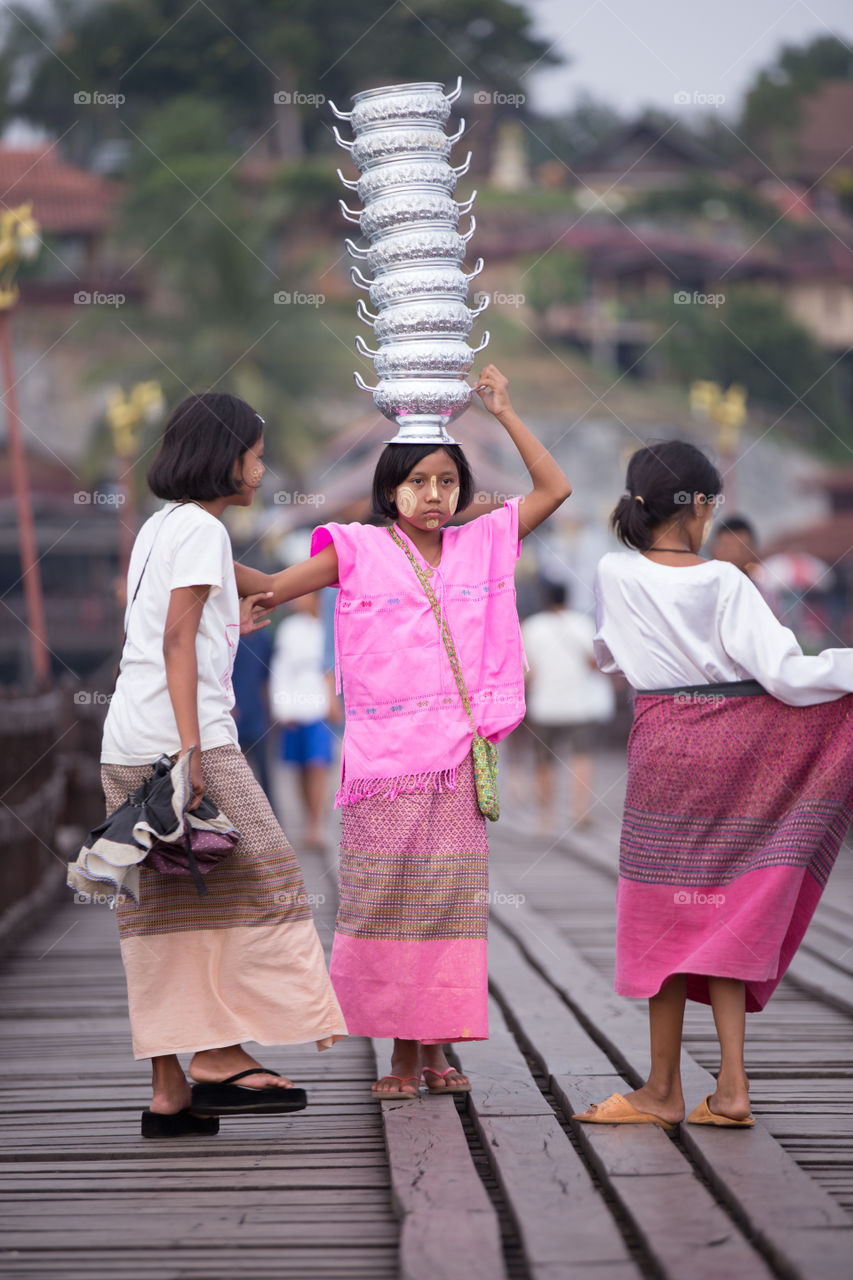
[(419, 401), (421, 244), (424, 280), (394, 141), (405, 208), (422, 318), (419, 171), (424, 100), (422, 357)]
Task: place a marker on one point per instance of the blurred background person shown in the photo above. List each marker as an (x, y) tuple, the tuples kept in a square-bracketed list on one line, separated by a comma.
[(568, 699), (735, 541), (302, 703), (250, 678)]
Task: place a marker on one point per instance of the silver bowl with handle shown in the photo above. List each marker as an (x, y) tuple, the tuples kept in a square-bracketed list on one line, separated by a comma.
[(422, 357), (395, 141), (421, 407), (422, 100), (424, 317), (405, 208), (424, 280), (425, 243), (414, 171)]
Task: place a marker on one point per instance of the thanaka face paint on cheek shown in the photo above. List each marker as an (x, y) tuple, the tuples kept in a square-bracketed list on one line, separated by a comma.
[(406, 500), (453, 500)]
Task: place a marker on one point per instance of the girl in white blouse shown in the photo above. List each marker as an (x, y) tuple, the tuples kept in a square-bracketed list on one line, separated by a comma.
[(739, 785)]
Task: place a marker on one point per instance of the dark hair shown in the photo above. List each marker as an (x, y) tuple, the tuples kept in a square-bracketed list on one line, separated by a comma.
[(663, 480), (397, 460), (204, 437), (736, 525), (556, 594)]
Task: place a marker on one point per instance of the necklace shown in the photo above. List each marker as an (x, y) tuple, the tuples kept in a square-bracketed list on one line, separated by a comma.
[(674, 551)]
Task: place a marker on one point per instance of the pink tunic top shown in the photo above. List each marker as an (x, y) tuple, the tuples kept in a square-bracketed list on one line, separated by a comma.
[(406, 728)]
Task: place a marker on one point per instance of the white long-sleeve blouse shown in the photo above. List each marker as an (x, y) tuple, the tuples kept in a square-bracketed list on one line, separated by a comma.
[(668, 625)]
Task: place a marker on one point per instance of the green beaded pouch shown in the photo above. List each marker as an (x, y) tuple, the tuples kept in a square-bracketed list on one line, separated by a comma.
[(483, 752)]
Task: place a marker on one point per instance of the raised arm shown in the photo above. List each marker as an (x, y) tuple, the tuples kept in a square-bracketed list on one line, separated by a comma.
[(550, 485), (300, 579)]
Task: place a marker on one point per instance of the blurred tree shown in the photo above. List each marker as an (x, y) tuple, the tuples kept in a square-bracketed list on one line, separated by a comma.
[(771, 110), (565, 136), (223, 311), (704, 196), (751, 340), (559, 276), (240, 53)]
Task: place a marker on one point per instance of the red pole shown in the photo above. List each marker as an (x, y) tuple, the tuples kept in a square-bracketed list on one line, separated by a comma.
[(30, 573)]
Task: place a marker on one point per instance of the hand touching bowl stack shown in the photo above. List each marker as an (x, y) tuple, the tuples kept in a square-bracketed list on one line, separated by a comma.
[(415, 256)]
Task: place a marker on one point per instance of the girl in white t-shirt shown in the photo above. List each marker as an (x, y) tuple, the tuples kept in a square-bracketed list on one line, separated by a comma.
[(244, 962)]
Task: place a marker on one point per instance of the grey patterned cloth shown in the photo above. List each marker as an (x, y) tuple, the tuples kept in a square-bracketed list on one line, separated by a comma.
[(154, 827)]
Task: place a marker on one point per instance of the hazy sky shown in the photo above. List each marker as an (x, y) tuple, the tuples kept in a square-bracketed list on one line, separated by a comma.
[(633, 53)]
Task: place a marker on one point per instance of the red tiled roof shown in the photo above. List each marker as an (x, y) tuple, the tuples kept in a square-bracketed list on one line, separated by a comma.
[(66, 200)]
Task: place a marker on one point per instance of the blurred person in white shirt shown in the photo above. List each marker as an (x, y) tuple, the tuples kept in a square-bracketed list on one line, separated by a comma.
[(567, 702), (301, 698)]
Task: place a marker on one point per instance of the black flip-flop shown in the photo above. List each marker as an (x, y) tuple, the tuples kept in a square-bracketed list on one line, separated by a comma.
[(225, 1098), (180, 1124)]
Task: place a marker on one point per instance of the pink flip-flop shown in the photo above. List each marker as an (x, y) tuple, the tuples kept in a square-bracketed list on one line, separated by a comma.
[(444, 1088), (395, 1093)]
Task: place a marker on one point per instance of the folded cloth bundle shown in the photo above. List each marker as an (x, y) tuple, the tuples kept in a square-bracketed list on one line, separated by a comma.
[(154, 827)]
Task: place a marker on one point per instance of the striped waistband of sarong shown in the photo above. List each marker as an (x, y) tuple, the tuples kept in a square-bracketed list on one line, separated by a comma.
[(725, 689)]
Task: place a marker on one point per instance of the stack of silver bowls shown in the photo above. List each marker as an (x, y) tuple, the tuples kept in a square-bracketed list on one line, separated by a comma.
[(411, 222)]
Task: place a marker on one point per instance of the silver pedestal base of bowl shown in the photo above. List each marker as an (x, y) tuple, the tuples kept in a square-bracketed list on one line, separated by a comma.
[(422, 429)]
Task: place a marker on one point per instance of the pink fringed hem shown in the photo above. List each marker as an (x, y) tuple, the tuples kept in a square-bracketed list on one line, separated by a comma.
[(354, 789)]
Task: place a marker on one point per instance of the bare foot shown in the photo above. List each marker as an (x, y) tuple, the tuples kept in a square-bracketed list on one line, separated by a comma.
[(406, 1064), (170, 1087), (434, 1063), (211, 1066), (669, 1106), (731, 1098)]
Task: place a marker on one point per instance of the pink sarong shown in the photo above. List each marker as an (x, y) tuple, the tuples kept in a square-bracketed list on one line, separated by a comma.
[(409, 957), (735, 809)]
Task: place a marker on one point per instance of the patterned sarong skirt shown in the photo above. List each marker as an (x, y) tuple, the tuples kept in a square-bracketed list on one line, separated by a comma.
[(735, 810), (409, 958), (242, 963)]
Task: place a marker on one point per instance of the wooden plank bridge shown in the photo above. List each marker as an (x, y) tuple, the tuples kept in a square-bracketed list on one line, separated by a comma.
[(500, 1184)]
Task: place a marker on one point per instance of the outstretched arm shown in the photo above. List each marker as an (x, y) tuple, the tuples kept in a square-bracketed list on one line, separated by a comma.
[(300, 579), (550, 485)]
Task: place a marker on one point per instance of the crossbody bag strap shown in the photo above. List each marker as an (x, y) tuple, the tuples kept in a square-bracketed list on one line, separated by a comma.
[(442, 626), (142, 575)]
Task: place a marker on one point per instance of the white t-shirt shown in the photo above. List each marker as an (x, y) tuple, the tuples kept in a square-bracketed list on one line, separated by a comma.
[(670, 625), (299, 691), (562, 687), (190, 548)]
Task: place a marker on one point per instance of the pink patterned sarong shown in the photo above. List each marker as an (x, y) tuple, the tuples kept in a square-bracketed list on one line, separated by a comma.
[(409, 957), (735, 809)]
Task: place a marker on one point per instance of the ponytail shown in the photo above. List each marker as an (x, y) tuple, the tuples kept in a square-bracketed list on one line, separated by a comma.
[(663, 481)]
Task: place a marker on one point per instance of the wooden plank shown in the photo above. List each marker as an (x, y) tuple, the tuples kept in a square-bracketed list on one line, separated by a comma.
[(760, 1183), (447, 1220), (561, 1218), (811, 972), (641, 1167)]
